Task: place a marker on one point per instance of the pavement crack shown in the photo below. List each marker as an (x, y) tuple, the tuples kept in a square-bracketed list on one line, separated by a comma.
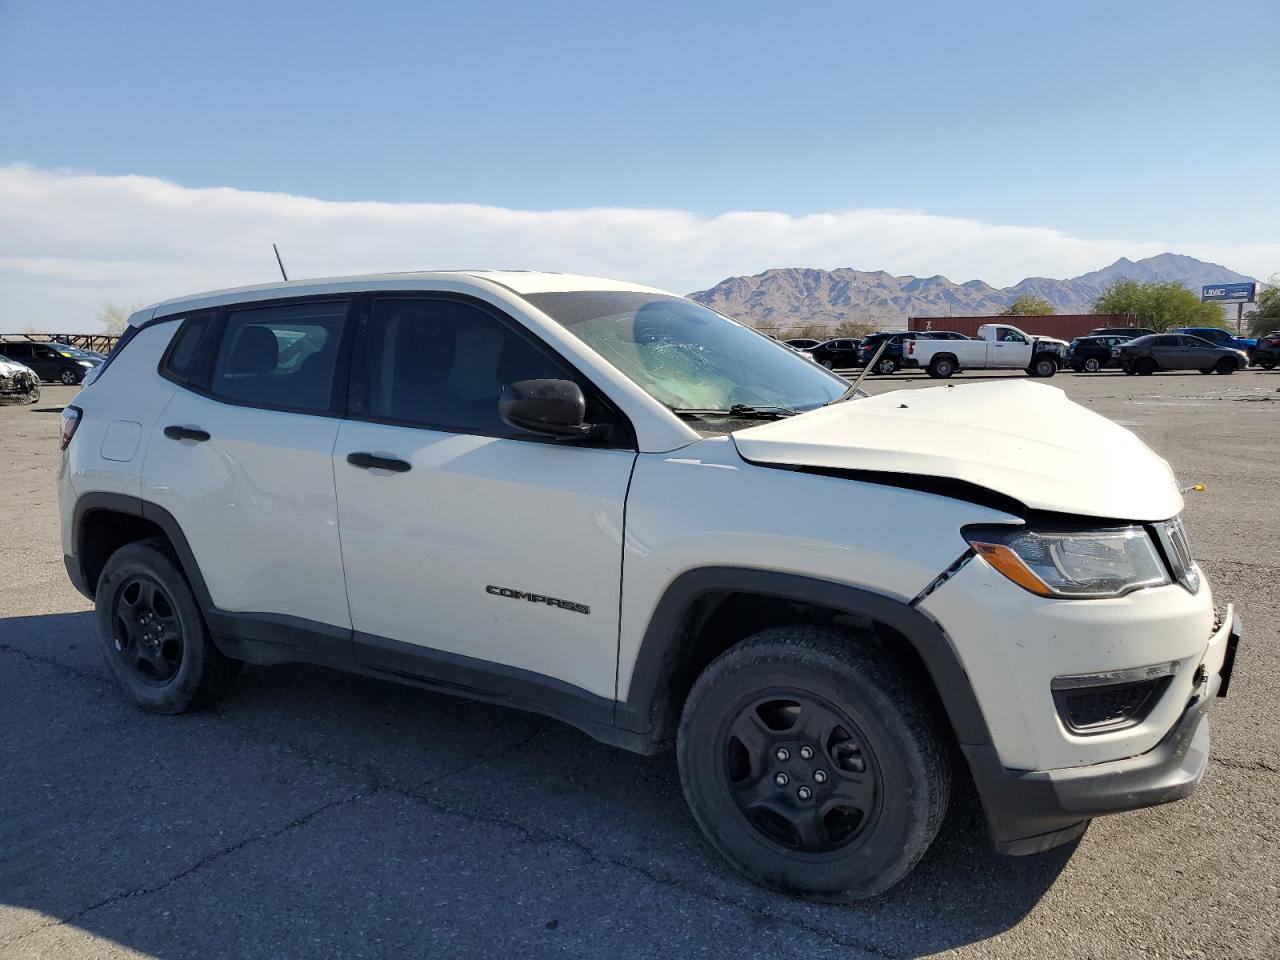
[(216, 855), (51, 662), (1233, 764)]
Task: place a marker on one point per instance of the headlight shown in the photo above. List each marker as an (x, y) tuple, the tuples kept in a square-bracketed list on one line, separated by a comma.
[(85, 363), (1078, 564)]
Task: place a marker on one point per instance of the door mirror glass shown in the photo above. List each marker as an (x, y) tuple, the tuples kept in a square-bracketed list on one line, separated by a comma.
[(550, 408)]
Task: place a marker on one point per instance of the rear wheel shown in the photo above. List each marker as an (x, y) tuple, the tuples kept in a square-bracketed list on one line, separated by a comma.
[(1145, 366), (1207, 370), (1267, 364), (827, 364), (942, 368), (152, 634), (812, 765), (1226, 365), (69, 377), (1092, 365), (886, 366)]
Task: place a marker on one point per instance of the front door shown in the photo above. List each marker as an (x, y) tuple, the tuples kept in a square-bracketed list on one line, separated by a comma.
[(466, 543), (1011, 350)]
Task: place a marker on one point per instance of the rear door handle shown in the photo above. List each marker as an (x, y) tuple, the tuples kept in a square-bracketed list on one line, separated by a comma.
[(174, 432), (368, 461)]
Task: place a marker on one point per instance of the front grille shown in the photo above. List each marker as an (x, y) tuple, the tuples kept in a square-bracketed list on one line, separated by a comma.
[(1111, 706)]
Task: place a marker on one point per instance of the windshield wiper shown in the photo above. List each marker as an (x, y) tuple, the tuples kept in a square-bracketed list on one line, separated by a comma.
[(766, 412), (854, 390)]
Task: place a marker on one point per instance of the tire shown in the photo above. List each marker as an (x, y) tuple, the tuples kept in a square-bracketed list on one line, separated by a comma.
[(1129, 371), (887, 366), (883, 754), (1043, 367), (1092, 365), (1208, 370), (828, 364), (1225, 366), (142, 593), (68, 377), (1267, 364), (1145, 366), (942, 368)]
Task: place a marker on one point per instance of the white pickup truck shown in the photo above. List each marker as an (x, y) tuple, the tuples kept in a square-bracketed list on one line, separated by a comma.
[(997, 347)]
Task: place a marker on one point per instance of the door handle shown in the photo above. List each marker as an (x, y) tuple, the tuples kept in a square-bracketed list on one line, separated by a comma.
[(174, 432), (368, 461)]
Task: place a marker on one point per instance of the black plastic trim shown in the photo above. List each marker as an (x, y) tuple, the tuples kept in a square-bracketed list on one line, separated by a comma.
[(647, 708), (1030, 811)]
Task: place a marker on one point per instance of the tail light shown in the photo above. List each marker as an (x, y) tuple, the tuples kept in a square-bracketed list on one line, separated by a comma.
[(70, 421), (911, 347)]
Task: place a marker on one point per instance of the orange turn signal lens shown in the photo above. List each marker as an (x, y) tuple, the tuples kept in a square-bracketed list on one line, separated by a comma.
[(1012, 566)]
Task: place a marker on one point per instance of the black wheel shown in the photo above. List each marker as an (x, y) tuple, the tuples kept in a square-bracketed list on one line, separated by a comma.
[(69, 377), (827, 364), (812, 765), (1267, 364), (152, 634), (1225, 365), (1145, 366), (1129, 371), (1092, 365), (886, 366), (1043, 367), (1207, 370), (942, 368)]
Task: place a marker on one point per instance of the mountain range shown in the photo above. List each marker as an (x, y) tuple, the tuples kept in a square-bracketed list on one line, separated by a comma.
[(799, 295)]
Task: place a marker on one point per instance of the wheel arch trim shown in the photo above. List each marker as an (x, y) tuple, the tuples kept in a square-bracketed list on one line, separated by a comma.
[(647, 705)]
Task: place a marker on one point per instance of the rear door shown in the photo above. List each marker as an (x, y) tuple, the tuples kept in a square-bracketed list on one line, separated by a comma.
[(474, 553), (243, 459)]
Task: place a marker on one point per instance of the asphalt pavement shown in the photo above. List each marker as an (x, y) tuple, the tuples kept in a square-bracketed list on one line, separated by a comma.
[(313, 813)]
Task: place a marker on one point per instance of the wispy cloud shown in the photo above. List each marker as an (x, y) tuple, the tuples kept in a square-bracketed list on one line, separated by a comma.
[(69, 241)]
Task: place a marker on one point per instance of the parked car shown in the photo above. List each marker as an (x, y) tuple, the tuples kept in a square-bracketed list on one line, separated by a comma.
[(836, 354), (18, 383), (436, 478), (1222, 338), (802, 343), (55, 362), (1091, 354), (999, 346), (1177, 351), (1267, 352), (1131, 332), (894, 357)]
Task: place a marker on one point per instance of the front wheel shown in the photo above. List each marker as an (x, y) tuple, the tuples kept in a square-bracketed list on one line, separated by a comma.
[(1043, 367), (827, 363), (1226, 365), (1267, 364), (152, 634), (1145, 366), (812, 765), (69, 377), (1207, 370)]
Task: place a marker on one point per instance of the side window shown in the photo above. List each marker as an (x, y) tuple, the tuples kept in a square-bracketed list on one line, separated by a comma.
[(181, 355), (280, 356), (1167, 342), (1012, 336), (443, 364)]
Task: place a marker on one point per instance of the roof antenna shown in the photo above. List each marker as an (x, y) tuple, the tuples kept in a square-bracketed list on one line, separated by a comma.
[(281, 262)]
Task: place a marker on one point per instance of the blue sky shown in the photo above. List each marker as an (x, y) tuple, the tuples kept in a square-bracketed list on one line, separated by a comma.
[(1136, 122)]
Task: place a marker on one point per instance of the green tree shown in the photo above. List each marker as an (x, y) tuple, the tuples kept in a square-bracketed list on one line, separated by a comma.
[(1028, 305), (1267, 316), (1159, 305)]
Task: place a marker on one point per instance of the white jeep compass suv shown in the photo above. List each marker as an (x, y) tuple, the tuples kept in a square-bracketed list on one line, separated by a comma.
[(572, 495)]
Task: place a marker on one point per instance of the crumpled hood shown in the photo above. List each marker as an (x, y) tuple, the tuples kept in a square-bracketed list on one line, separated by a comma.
[(1024, 440)]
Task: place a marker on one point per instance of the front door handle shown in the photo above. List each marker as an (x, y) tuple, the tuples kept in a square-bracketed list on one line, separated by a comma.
[(174, 432), (368, 461)]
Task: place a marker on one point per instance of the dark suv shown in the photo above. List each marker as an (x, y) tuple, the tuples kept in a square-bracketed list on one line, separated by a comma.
[(1091, 354), (51, 361), (1267, 353), (834, 354)]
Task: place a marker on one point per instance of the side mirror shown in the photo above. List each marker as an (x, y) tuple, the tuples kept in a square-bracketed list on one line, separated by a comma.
[(549, 408)]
